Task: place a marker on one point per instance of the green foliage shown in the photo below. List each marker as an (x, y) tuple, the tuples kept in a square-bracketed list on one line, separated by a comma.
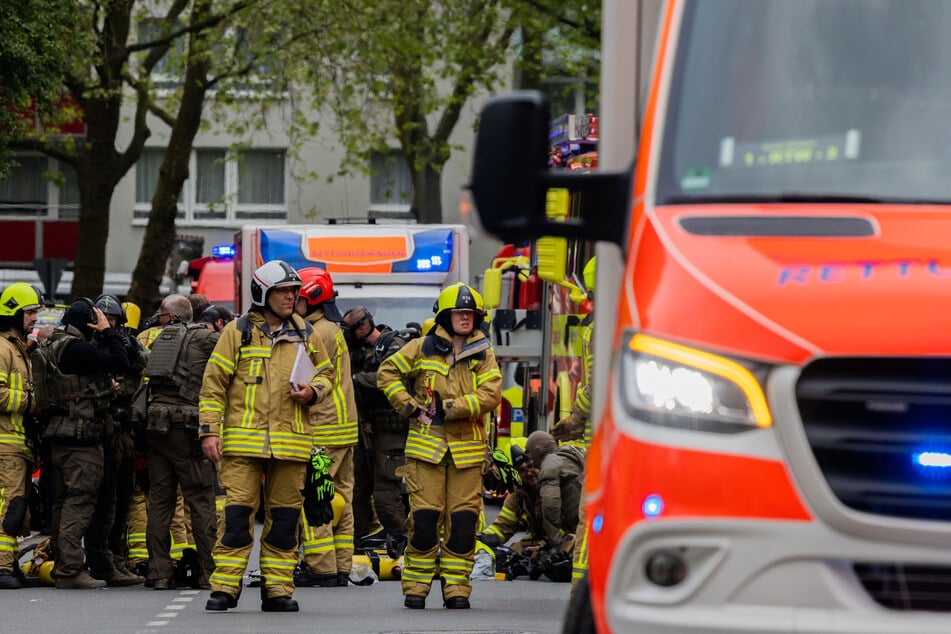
[(37, 43)]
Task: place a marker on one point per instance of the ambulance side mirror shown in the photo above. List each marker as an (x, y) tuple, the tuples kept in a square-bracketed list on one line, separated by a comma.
[(511, 179)]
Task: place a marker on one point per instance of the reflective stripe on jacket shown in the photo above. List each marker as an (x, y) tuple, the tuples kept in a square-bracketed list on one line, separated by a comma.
[(470, 385), (245, 393), (334, 418), (16, 379)]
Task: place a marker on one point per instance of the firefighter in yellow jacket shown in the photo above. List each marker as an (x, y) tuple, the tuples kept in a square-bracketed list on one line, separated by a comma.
[(455, 381), (577, 425), (254, 422), (328, 549), (18, 305)]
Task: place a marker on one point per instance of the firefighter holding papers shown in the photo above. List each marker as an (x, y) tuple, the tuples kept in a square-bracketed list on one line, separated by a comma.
[(254, 422)]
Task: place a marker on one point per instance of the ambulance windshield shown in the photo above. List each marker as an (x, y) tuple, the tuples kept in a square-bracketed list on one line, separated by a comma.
[(824, 100)]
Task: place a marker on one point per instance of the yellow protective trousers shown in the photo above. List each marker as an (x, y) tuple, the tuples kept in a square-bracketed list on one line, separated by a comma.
[(240, 477), (445, 502), (138, 520), (14, 475), (579, 558), (329, 549)]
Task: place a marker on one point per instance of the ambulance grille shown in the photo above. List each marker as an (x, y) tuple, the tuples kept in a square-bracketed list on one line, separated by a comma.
[(872, 422), (902, 587)]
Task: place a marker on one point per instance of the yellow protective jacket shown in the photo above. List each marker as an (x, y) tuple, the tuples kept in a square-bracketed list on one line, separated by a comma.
[(577, 425), (246, 390), (335, 417), (16, 380), (470, 386)]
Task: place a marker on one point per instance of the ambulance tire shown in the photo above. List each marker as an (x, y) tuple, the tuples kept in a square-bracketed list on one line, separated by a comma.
[(579, 619)]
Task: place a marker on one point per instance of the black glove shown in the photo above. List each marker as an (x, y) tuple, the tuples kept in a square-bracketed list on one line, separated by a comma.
[(318, 490), (489, 539), (437, 409)]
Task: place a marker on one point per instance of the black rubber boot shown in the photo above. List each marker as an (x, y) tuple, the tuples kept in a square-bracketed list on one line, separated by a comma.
[(220, 601), (279, 604), (8, 581), (276, 604), (308, 579), (457, 603), (415, 602)]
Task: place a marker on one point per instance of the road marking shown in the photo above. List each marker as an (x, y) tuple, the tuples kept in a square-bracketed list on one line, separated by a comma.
[(190, 591), (156, 623), (183, 599), (174, 607), (165, 615)]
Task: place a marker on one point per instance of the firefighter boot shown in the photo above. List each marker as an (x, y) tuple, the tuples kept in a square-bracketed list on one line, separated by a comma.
[(276, 604), (8, 581), (220, 601)]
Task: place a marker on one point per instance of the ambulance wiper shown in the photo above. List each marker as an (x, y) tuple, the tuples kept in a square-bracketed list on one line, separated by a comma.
[(782, 197)]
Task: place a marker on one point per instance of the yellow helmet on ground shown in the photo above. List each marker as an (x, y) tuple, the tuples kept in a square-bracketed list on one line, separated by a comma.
[(19, 296), (589, 273), (338, 504), (132, 315)]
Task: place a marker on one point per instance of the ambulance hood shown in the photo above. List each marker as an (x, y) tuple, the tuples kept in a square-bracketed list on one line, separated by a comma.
[(788, 282)]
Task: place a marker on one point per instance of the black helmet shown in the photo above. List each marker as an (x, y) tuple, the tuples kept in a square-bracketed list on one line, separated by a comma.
[(79, 315), (111, 307)]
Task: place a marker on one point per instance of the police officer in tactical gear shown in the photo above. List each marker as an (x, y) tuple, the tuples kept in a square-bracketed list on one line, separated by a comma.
[(455, 382), (18, 305), (383, 430), (328, 550), (254, 422), (79, 388), (174, 373), (106, 543)]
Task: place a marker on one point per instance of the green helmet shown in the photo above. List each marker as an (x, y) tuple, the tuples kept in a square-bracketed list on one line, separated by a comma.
[(19, 296)]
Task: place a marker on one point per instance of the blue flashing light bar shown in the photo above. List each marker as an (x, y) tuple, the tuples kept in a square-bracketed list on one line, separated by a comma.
[(223, 251)]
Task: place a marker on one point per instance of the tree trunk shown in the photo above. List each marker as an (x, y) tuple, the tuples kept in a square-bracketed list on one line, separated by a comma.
[(95, 196), (159, 237), (98, 171), (427, 195)]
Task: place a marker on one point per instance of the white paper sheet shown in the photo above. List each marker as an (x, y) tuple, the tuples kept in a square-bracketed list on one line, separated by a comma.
[(303, 371)]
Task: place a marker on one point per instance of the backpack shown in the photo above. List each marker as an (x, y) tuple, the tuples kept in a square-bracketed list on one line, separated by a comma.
[(45, 368)]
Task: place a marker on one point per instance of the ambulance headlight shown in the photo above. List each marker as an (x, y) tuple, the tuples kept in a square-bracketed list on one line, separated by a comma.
[(665, 383)]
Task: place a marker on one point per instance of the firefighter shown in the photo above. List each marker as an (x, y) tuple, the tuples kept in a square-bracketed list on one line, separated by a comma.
[(383, 433), (106, 543), (560, 487), (521, 510), (455, 381), (78, 387), (175, 460), (18, 305), (577, 425), (328, 549), (254, 422)]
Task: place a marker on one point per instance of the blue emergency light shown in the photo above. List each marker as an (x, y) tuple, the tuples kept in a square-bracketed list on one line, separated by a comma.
[(223, 251), (653, 506), (932, 459)]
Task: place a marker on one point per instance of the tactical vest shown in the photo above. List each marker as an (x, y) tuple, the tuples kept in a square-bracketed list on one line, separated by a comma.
[(173, 366), (75, 404)]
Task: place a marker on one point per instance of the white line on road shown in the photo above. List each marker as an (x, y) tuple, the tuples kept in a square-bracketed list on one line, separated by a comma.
[(183, 599), (156, 623), (166, 615), (174, 607)]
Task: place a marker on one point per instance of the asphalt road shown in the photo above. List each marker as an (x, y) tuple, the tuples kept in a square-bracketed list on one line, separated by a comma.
[(507, 607)]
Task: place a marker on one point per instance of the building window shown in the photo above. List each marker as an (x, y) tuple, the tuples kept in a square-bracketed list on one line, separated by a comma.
[(223, 189), (40, 187), (391, 184)]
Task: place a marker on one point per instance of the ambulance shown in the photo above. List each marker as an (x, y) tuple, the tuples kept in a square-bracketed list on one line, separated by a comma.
[(772, 363), (394, 270)]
